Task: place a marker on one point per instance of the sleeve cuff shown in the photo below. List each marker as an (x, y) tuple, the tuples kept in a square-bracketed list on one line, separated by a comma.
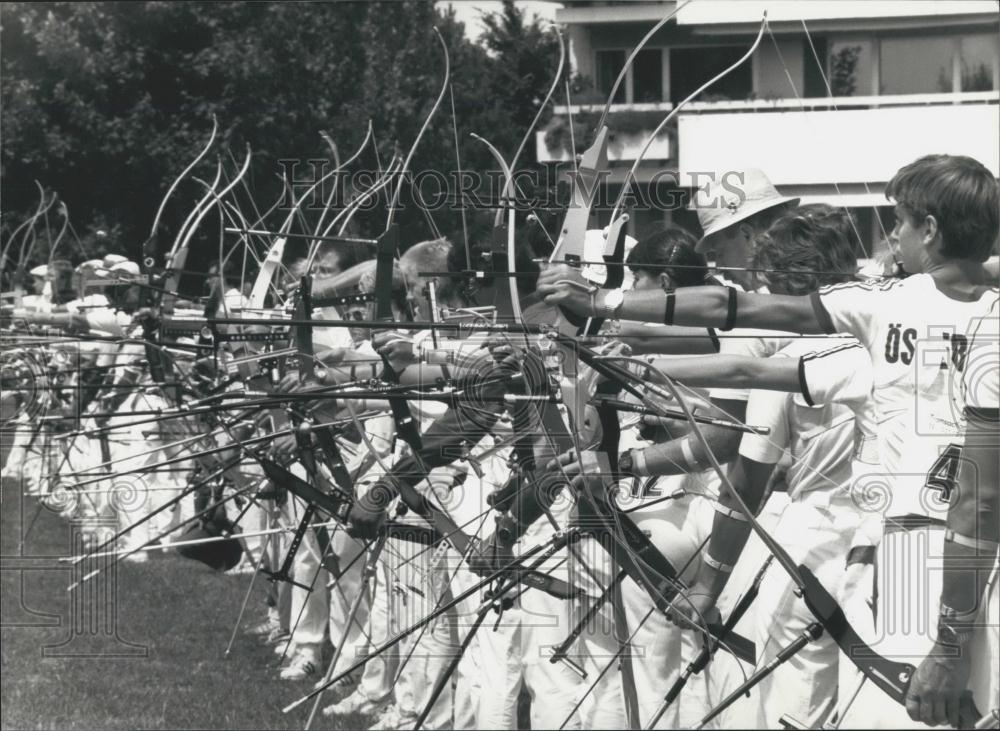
[(803, 385)]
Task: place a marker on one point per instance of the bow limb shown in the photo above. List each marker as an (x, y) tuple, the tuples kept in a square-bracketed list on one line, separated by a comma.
[(272, 260), (892, 677), (388, 246), (24, 255), (337, 168), (393, 205), (505, 251), (175, 258), (64, 212), (28, 222), (184, 173), (569, 244), (345, 216), (545, 102), (235, 216), (630, 177), (212, 199), (335, 153)]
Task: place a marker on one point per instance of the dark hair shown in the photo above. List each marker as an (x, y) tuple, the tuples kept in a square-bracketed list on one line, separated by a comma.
[(810, 246), (761, 221), (960, 193), (670, 250), (63, 286)]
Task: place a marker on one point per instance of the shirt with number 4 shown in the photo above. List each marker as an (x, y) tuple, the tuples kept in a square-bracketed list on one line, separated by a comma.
[(918, 338)]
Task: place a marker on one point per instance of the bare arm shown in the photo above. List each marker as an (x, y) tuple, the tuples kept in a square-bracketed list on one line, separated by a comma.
[(710, 307), (686, 454), (938, 691), (61, 320), (733, 371), (669, 339), (563, 286), (729, 535)]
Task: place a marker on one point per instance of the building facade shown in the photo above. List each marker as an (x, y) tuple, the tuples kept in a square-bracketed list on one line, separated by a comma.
[(837, 96)]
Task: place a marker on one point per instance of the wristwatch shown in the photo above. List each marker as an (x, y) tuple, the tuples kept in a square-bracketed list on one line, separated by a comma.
[(951, 635), (612, 304)]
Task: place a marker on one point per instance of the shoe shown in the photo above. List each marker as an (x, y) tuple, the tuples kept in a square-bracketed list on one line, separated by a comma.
[(393, 720), (243, 568), (304, 665), (137, 557), (282, 647), (341, 690), (263, 629), (276, 635), (345, 686), (357, 702)]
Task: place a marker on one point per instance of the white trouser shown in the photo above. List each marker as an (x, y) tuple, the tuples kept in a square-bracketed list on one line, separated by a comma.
[(469, 683), (516, 653), (656, 655), (24, 461), (133, 494), (310, 610), (904, 628), (351, 584), (379, 672), (816, 531), (661, 651), (421, 583)]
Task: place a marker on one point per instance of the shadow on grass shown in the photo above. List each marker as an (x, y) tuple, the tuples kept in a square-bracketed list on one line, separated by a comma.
[(179, 610)]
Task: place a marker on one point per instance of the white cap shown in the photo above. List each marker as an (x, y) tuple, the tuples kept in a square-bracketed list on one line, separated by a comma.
[(733, 198), (111, 259), (91, 264), (125, 270), (41, 270)]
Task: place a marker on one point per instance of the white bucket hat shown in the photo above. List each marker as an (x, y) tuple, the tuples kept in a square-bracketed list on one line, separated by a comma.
[(91, 265), (111, 259), (732, 198), (125, 270)]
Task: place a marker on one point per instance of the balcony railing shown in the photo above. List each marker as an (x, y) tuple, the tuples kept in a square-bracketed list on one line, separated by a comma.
[(854, 139), (859, 134), (844, 102)]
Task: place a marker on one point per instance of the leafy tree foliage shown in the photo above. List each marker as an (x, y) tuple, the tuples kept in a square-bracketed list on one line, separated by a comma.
[(106, 102)]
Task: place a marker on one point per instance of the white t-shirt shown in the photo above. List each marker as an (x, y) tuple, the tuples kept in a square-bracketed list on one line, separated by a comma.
[(980, 377), (817, 426), (108, 322), (916, 337), (84, 304)]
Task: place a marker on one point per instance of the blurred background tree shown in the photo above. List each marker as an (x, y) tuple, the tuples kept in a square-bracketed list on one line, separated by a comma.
[(106, 102)]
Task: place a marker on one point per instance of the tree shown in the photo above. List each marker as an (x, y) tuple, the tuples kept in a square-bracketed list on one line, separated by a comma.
[(107, 102)]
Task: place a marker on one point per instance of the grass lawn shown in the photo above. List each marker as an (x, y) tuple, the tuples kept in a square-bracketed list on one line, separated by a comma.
[(180, 611)]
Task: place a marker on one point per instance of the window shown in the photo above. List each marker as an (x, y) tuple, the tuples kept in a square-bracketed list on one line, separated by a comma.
[(692, 67), (916, 65), (850, 67), (647, 76), (978, 58), (609, 65), (642, 84)]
